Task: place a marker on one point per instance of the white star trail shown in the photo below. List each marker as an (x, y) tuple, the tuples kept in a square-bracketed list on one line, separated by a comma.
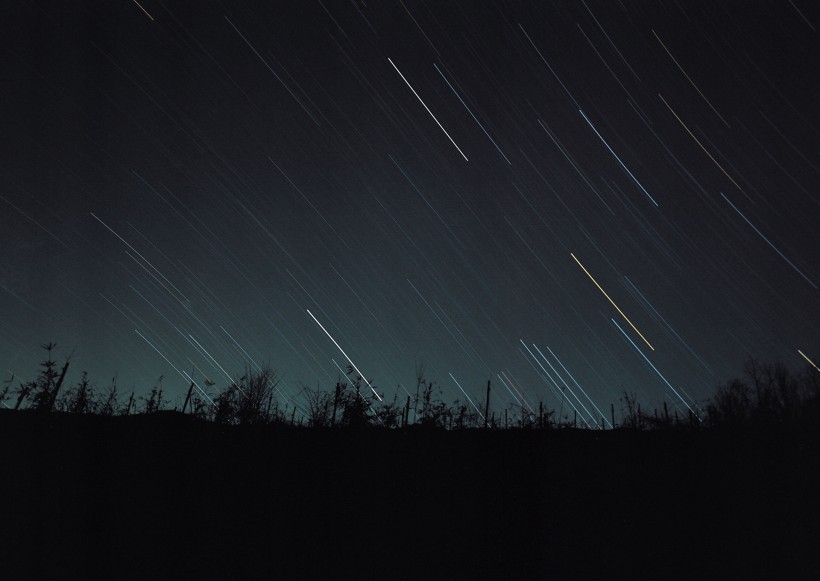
[(428, 110), (345, 354)]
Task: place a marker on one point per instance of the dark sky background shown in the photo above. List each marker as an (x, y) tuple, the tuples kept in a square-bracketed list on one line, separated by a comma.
[(181, 182)]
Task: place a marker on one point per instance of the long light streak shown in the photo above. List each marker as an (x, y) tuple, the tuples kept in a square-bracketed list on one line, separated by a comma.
[(769, 242), (468, 398), (574, 165), (554, 74), (555, 371), (369, 406), (428, 110), (610, 41), (477, 362), (561, 395), (655, 369), (191, 379), (611, 301), (241, 349), (674, 60), (540, 375), (504, 383), (668, 326), (623, 165), (216, 363), (143, 9), (518, 391), (692, 135), (160, 352), (148, 262), (278, 78), (803, 355), (345, 354), (597, 409), (472, 115)]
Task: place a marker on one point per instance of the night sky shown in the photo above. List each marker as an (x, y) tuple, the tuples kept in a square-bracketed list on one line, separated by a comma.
[(570, 199)]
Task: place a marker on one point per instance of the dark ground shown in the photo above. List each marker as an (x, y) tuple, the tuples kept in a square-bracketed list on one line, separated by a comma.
[(165, 496)]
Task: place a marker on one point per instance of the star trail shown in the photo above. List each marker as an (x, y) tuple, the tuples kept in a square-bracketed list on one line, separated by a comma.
[(190, 189)]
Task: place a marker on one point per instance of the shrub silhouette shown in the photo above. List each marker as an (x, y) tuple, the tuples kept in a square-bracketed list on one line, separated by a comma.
[(356, 406), (434, 412), (80, 399), (43, 391), (154, 402), (4, 394), (630, 411), (247, 400), (390, 415), (109, 403), (322, 406)]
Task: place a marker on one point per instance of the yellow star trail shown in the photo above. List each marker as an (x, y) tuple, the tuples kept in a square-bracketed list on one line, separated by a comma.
[(803, 355), (611, 301)]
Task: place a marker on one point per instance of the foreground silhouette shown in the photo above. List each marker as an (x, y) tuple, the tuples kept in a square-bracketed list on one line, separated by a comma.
[(167, 495), (162, 494)]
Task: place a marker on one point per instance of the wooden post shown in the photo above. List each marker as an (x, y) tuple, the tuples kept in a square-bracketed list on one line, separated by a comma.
[(505, 420), (541, 414), (53, 397), (612, 411), (487, 403), (335, 404), (187, 397), (665, 413), (25, 389), (407, 412), (575, 419)]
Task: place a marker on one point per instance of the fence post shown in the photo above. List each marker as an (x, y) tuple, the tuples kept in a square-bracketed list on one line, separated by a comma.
[(487, 403), (53, 397), (187, 397), (612, 411)]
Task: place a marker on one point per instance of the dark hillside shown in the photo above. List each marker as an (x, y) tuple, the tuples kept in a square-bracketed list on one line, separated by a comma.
[(164, 496)]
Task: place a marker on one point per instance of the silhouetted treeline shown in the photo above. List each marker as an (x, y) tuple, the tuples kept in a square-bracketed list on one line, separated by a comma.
[(765, 393)]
